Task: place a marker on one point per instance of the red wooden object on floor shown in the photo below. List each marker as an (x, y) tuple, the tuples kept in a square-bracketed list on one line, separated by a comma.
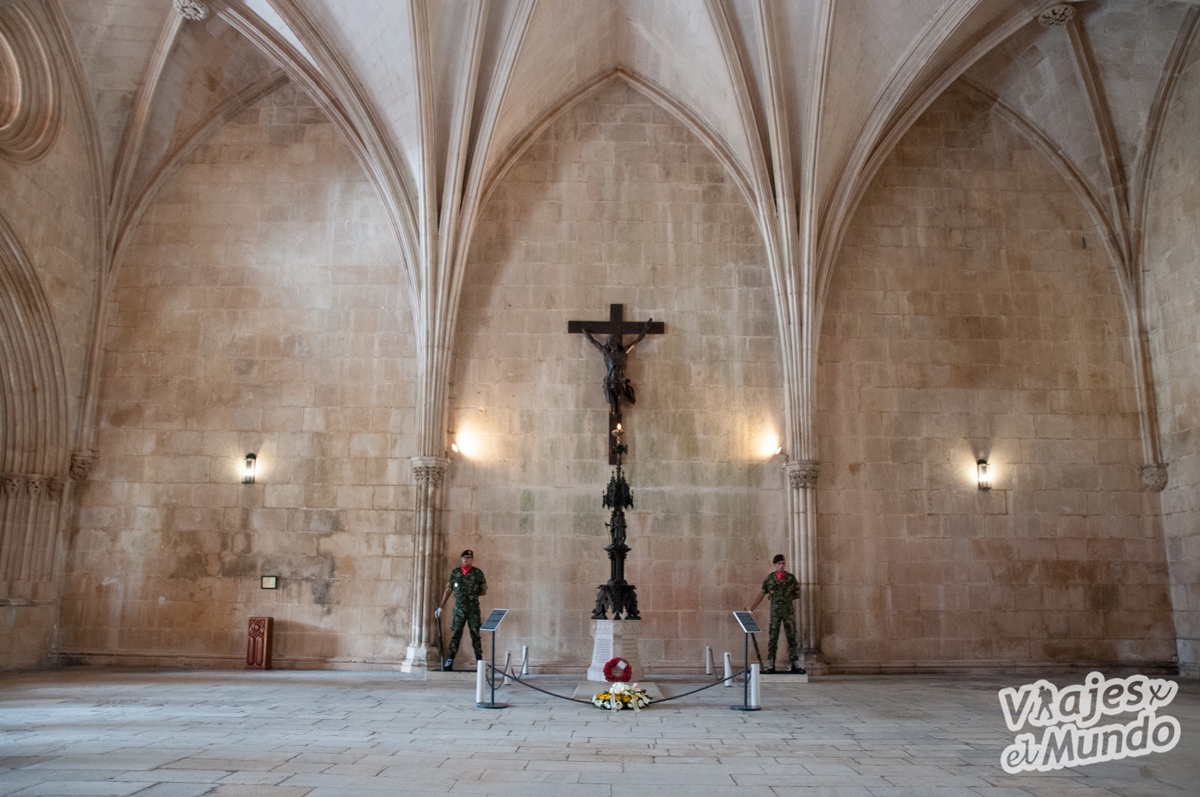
[(258, 645)]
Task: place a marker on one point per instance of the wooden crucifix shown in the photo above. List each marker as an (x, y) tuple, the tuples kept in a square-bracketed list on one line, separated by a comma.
[(617, 387)]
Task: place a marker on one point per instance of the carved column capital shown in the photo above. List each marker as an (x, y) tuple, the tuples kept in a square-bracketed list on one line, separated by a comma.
[(1057, 15), (1155, 476), (803, 473), (14, 485), (192, 9), (31, 486), (81, 464), (430, 470), (35, 485)]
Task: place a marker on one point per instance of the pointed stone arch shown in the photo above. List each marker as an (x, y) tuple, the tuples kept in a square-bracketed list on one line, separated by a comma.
[(658, 94), (541, 426), (33, 429), (973, 317)]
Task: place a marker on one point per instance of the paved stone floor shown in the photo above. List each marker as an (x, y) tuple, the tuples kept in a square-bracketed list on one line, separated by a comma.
[(318, 734)]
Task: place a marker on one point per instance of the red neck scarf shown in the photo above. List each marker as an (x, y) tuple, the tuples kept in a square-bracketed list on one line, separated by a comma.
[(465, 569), (779, 574)]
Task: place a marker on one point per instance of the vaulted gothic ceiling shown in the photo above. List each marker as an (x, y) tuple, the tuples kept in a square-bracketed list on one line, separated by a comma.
[(802, 101)]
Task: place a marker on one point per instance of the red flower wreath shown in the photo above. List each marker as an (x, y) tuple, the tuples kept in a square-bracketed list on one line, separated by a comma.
[(617, 671)]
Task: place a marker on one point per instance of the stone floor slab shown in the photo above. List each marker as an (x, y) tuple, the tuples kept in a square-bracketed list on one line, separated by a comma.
[(303, 734)]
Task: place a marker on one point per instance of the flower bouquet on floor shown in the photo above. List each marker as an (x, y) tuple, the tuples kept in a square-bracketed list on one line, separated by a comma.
[(620, 696)]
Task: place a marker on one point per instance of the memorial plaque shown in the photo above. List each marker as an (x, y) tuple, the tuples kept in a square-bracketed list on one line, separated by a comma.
[(603, 650), (746, 621), (493, 620)]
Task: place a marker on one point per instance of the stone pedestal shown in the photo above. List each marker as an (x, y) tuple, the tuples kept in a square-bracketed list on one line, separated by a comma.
[(784, 678), (421, 658), (612, 639)]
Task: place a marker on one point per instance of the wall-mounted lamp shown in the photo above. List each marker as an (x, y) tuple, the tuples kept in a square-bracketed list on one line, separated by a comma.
[(248, 468), (984, 476), (466, 442)]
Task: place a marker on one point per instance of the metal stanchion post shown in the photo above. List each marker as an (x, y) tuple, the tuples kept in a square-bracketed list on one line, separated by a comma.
[(749, 626), (755, 683), (491, 624)]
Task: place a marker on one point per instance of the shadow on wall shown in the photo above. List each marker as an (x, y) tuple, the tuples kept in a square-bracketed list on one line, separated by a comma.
[(302, 646)]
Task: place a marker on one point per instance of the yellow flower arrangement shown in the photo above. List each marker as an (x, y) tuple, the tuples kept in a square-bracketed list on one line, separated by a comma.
[(619, 696)]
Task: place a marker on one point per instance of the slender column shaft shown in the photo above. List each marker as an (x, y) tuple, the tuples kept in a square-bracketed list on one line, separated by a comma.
[(29, 536), (802, 549), (429, 473)]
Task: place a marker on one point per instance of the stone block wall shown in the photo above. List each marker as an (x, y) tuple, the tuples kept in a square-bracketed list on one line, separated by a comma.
[(973, 314), (259, 309), (1172, 269), (617, 202)]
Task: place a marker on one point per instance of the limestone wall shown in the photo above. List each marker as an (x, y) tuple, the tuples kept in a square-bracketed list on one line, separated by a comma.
[(617, 202), (259, 309), (973, 314), (1172, 268)]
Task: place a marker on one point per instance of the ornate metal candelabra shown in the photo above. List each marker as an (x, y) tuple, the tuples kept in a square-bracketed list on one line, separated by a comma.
[(617, 595)]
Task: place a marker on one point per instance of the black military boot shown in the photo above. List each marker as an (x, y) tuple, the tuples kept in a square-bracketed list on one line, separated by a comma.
[(796, 669), (770, 669), (447, 665)]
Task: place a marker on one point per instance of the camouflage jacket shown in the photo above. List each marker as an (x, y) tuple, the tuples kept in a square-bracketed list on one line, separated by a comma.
[(781, 591), (466, 588)]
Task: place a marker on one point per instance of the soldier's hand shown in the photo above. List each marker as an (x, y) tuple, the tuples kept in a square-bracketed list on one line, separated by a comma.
[(438, 612)]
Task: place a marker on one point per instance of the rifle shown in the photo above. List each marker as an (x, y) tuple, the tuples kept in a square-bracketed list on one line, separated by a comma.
[(441, 646)]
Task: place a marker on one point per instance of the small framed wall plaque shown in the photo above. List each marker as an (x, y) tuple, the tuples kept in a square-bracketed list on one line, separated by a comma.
[(269, 582)]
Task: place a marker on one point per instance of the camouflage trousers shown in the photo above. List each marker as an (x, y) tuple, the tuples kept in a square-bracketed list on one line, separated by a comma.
[(783, 615), (468, 617)]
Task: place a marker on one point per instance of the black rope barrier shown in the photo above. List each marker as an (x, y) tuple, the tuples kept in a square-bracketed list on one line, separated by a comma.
[(701, 689), (517, 678)]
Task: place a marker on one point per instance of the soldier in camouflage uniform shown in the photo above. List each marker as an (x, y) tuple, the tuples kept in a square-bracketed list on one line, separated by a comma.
[(468, 585), (783, 588)]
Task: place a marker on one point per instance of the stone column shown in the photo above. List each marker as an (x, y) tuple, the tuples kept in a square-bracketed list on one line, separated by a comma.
[(429, 473), (31, 547), (802, 553)]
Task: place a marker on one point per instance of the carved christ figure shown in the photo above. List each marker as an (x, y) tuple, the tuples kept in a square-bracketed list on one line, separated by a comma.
[(616, 354)]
